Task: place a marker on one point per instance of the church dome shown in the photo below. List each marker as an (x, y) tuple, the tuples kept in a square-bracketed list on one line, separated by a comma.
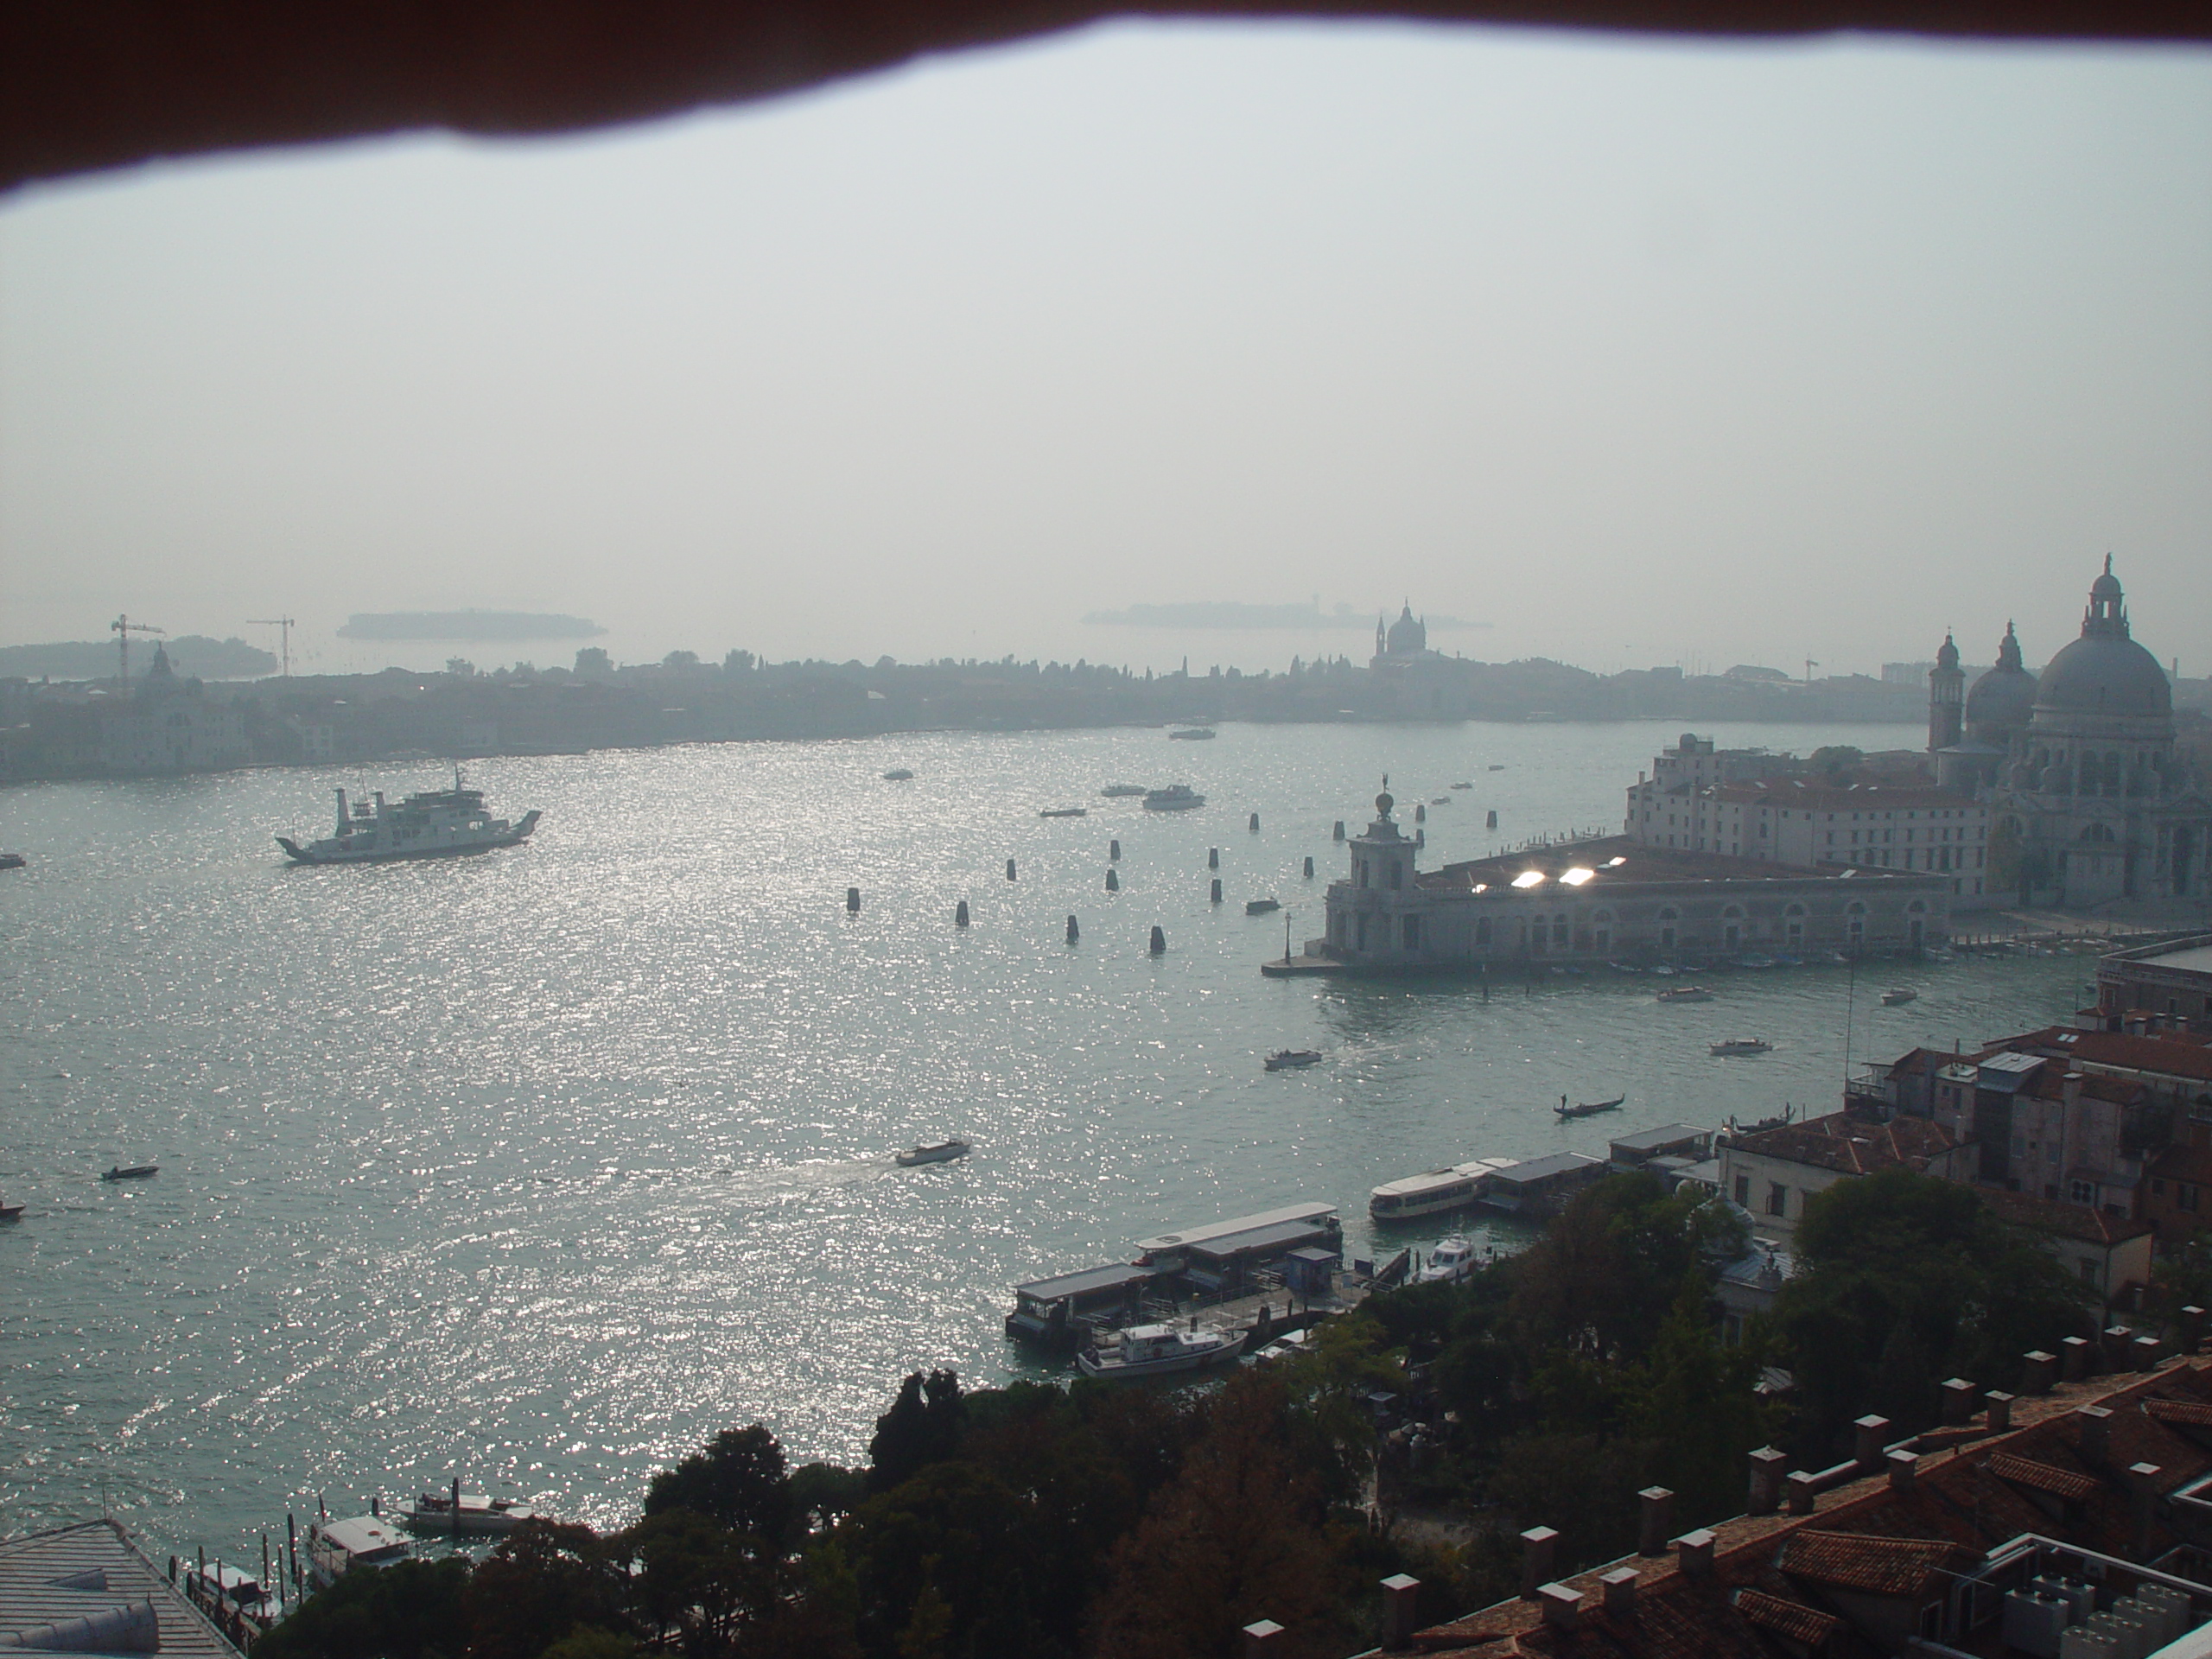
[(2105, 671), (1408, 636), (2006, 695)]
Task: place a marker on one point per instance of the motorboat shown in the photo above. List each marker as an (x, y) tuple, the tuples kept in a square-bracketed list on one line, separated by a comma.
[(1684, 993), (11, 1212), (435, 824), (1463, 785), (1176, 797), (896, 775), (1116, 791), (942, 1151), (1497, 767), (131, 1173), (1157, 1350), (1898, 998), (12, 861), (1441, 800), (1065, 812), (466, 1515), (1291, 1059), (336, 1547), (1742, 1046), (1588, 1108), (1452, 1260), (1194, 735), (1262, 906)]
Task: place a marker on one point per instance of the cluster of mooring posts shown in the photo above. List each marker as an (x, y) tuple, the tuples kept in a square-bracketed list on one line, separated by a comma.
[(1158, 938)]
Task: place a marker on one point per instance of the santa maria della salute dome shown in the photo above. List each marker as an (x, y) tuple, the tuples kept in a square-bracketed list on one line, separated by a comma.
[(2089, 800)]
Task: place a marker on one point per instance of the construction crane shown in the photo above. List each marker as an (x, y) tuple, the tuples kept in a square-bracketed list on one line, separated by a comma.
[(122, 627), (284, 624)]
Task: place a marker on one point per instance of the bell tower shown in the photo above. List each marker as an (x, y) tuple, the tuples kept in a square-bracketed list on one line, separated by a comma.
[(1947, 698)]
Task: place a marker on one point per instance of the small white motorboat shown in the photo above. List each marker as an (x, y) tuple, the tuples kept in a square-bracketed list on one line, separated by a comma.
[(469, 1514), (1452, 1260), (1898, 998), (896, 775), (1684, 993), (1157, 1350), (1290, 1059), (336, 1547), (940, 1153)]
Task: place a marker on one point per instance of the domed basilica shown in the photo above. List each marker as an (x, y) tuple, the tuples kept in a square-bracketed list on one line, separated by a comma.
[(2088, 801)]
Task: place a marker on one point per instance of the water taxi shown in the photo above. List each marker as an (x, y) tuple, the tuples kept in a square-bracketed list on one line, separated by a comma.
[(465, 1515), (1742, 1046), (1262, 906), (1452, 1260), (1176, 797), (1290, 1059), (939, 1152), (1157, 1350), (1898, 998), (336, 1547)]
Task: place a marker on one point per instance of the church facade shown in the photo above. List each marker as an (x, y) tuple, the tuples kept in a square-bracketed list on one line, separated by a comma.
[(2089, 800)]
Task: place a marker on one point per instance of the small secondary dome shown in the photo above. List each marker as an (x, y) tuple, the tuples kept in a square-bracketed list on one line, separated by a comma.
[(2105, 671), (2006, 695)]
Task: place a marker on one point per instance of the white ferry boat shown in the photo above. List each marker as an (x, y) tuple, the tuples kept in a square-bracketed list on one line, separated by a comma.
[(1454, 1187), (1158, 1350), (436, 824), (336, 1547), (1176, 797)]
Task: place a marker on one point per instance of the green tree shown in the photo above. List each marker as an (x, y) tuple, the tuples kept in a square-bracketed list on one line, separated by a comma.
[(922, 1427), (1237, 1536), (1904, 1280), (544, 1581), (593, 663), (739, 1480), (1836, 761), (411, 1609)]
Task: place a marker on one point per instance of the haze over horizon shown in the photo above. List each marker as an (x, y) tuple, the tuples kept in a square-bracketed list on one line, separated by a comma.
[(1635, 352)]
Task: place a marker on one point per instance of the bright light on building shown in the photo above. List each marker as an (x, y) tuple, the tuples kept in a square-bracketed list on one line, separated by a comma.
[(1577, 876), (1530, 879)]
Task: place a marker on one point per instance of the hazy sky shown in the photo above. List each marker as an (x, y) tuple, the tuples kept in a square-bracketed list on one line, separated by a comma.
[(1641, 353)]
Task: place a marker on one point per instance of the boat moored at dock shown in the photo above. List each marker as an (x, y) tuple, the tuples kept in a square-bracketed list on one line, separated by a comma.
[(336, 1547), (1453, 1187), (465, 1515), (1158, 1350), (434, 823), (1452, 1260)]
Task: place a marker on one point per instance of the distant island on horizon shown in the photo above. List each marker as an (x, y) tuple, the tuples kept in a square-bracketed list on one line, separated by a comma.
[(467, 626), (1236, 613)]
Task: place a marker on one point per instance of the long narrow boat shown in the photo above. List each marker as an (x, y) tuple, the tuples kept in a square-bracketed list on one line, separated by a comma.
[(131, 1173), (1588, 1108)]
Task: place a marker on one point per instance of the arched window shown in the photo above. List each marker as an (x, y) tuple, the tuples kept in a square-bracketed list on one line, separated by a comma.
[(1731, 927), (1854, 923), (2098, 833)]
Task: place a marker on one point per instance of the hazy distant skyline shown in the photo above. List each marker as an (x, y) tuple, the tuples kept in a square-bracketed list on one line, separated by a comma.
[(1637, 351)]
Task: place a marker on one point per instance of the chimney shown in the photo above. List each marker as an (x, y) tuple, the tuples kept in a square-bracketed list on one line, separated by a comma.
[(1538, 1545), (2119, 1348), (1263, 1639), (2038, 1371), (2070, 1087), (1693, 1554), (2001, 1410), (2093, 1424), (1801, 1491), (1562, 1605), (2142, 1484), (2148, 1351), (1656, 1520), (1766, 1481), (2073, 1362), (1620, 1592), (1400, 1610), (1958, 1399), (1868, 1436), (1903, 1466), (2192, 1328)]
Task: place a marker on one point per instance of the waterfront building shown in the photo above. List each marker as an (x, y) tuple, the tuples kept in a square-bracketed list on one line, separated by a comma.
[(2170, 982), (1608, 898), (172, 725), (1727, 801), (1770, 1173), (2088, 799)]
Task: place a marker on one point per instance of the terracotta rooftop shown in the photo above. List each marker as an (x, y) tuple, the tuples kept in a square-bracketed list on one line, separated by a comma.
[(1851, 1144), (2078, 1221), (1771, 1575), (2167, 1053)]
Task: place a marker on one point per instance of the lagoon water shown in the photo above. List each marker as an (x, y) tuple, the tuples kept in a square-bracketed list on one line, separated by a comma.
[(541, 1167)]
